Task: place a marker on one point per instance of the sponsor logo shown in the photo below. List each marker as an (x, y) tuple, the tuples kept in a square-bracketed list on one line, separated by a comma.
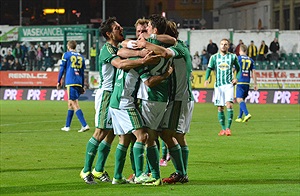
[(223, 66), (28, 75)]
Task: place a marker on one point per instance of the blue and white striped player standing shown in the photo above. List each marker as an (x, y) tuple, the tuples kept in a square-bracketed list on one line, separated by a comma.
[(73, 66)]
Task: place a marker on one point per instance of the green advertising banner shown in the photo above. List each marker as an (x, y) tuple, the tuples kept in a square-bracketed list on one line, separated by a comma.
[(8, 33), (51, 33)]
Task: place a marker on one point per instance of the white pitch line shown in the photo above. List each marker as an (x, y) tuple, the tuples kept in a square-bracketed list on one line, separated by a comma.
[(26, 123)]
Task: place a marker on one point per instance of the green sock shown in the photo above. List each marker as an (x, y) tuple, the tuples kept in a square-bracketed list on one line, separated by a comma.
[(120, 157), (177, 161), (164, 150), (132, 158), (138, 153), (153, 161), (103, 151), (185, 155), (229, 116), (221, 118), (147, 167), (91, 150)]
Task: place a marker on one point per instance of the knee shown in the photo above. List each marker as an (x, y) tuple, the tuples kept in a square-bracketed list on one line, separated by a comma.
[(144, 137), (239, 100), (229, 105), (141, 136)]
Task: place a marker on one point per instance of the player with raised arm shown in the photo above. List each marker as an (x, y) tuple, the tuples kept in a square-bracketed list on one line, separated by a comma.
[(103, 134), (177, 118), (157, 106), (73, 66)]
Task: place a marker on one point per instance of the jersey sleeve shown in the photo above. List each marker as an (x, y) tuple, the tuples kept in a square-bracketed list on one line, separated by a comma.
[(212, 62), (144, 74), (252, 64), (236, 65), (63, 66), (82, 70)]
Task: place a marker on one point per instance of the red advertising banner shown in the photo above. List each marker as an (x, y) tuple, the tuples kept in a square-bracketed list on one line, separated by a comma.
[(28, 78)]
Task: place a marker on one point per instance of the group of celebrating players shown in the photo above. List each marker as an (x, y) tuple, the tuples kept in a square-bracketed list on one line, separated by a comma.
[(145, 93)]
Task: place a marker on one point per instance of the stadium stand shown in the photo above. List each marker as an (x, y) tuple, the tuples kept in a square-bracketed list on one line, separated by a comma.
[(56, 69), (272, 65)]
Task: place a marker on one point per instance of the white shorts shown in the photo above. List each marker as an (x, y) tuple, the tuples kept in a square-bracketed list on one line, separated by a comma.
[(102, 117), (153, 112), (223, 94), (178, 116), (126, 121)]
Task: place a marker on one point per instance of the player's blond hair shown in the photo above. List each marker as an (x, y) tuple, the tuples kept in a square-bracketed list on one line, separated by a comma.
[(225, 39), (243, 47), (141, 21), (72, 44)]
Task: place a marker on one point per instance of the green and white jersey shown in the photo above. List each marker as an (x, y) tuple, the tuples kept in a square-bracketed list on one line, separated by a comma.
[(223, 66), (159, 92), (125, 88), (181, 78), (106, 69)]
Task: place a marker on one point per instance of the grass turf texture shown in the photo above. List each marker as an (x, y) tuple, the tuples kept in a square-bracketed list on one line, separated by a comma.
[(260, 158)]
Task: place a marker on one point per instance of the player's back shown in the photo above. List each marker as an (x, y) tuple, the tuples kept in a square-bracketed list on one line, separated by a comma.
[(74, 65), (182, 73), (246, 66)]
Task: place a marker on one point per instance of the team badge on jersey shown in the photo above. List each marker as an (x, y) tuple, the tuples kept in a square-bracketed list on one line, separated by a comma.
[(223, 66)]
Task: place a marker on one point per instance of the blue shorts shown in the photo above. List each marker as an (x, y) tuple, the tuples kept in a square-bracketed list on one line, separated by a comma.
[(74, 92), (242, 90)]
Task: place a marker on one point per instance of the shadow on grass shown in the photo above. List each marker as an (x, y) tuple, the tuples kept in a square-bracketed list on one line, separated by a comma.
[(57, 187), (40, 169), (49, 188)]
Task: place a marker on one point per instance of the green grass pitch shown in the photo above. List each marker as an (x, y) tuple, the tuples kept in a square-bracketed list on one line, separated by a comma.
[(260, 158)]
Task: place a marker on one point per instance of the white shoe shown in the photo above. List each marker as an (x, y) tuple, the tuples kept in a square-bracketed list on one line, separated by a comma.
[(65, 129), (84, 129)]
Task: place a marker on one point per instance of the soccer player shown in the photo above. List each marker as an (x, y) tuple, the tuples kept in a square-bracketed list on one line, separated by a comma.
[(152, 146), (141, 27), (127, 119), (73, 66), (224, 64), (242, 87), (153, 99), (103, 135), (177, 117)]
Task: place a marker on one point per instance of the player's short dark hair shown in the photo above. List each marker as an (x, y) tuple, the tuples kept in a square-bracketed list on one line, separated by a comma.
[(72, 44), (106, 26), (159, 22)]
